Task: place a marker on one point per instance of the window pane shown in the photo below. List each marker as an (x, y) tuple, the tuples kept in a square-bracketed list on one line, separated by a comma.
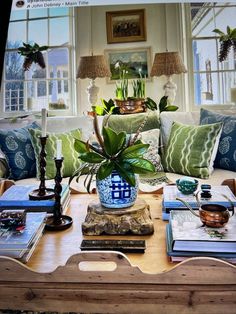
[(204, 55), (38, 31), (16, 34), (202, 22), (14, 66), (59, 31), (58, 62), (215, 88), (35, 72), (58, 11), (225, 17), (38, 13), (206, 88), (18, 15), (14, 96), (58, 94)]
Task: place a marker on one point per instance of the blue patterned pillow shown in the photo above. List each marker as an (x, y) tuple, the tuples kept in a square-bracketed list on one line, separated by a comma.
[(19, 152), (226, 154)]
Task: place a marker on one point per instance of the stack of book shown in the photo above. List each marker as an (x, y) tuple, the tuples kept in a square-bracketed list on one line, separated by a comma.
[(17, 197), (20, 243), (186, 237), (171, 192)]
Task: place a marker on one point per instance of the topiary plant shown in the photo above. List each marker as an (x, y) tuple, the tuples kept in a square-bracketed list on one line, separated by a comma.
[(32, 53)]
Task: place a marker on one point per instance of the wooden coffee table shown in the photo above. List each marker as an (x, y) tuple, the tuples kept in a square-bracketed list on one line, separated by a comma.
[(59, 277)]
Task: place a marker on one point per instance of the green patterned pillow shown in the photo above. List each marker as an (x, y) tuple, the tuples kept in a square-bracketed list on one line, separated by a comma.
[(190, 148), (70, 162)]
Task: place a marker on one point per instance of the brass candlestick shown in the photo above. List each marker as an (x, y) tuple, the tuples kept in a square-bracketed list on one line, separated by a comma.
[(42, 193), (58, 221)]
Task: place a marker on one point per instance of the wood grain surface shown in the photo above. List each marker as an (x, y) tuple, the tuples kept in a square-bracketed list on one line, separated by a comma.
[(59, 277)]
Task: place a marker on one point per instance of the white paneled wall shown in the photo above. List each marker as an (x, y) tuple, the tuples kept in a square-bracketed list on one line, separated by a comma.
[(163, 31)]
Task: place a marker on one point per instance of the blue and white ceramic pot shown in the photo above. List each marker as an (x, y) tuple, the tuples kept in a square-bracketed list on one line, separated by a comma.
[(115, 192)]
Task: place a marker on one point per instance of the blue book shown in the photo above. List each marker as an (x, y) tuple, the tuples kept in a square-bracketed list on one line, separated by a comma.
[(11, 239), (179, 256), (171, 192), (17, 197)]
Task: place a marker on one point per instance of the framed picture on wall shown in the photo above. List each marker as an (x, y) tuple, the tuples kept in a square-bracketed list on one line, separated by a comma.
[(125, 26), (135, 62)]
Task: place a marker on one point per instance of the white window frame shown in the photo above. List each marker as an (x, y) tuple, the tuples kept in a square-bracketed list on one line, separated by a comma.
[(72, 110), (189, 53)]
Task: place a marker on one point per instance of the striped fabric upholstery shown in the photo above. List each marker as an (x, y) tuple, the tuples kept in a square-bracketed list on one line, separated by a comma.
[(71, 161), (189, 149)]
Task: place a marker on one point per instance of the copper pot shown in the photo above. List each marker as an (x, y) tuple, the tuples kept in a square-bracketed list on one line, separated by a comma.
[(211, 215), (131, 105)]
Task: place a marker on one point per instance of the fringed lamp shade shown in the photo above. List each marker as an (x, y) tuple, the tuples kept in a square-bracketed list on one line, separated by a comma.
[(93, 67), (167, 63)]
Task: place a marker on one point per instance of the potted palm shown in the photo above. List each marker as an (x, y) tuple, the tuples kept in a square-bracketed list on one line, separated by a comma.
[(115, 160)]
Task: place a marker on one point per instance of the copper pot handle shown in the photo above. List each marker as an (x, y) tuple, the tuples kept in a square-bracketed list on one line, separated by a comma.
[(226, 197)]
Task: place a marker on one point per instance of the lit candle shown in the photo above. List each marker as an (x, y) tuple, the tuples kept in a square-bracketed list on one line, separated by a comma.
[(44, 121), (59, 148)]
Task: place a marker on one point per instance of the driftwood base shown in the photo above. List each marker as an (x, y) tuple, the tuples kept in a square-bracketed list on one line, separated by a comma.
[(132, 220)]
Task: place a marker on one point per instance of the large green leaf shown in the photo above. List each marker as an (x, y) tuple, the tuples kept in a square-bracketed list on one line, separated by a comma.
[(134, 151), (91, 157), (113, 142), (80, 146), (141, 165), (171, 108), (126, 172), (105, 170), (78, 172)]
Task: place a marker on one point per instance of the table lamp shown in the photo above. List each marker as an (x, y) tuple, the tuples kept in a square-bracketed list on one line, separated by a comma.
[(92, 67), (168, 63)]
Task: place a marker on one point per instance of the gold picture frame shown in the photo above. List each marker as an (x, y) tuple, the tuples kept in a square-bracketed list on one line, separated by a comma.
[(125, 26)]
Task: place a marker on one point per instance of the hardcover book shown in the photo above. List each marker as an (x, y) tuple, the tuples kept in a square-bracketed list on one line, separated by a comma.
[(171, 192), (189, 234), (11, 239), (179, 256), (24, 254), (17, 197)]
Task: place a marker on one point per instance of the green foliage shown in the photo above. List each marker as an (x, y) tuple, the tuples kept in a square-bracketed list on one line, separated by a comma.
[(164, 105), (229, 35), (227, 40), (139, 87), (32, 53), (150, 104), (106, 107), (30, 50), (114, 152)]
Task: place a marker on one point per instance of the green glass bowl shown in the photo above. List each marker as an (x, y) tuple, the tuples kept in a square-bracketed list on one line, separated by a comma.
[(186, 186)]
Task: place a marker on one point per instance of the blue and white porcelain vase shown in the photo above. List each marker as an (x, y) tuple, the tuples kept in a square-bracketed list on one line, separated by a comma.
[(115, 192)]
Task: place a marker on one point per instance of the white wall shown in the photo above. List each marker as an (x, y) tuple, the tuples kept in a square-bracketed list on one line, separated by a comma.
[(163, 27)]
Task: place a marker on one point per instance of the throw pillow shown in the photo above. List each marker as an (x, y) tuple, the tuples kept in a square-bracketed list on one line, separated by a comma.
[(190, 148), (70, 162), (226, 154), (19, 153), (151, 137)]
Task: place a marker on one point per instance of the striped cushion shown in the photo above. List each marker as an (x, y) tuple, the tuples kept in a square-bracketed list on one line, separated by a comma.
[(189, 149), (71, 161)]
